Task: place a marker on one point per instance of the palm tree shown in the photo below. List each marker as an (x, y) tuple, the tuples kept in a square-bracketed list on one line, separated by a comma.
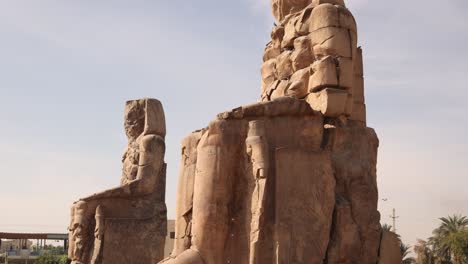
[(443, 240), (458, 243), (440, 249), (424, 252), (387, 227), (454, 223), (405, 250)]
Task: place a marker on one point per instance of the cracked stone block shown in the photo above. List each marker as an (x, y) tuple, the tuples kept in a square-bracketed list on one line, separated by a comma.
[(304, 20), (302, 55), (334, 41), (271, 52), (330, 102), (277, 33), (280, 90), (268, 71), (303, 43), (301, 59), (324, 73), (269, 90), (290, 33), (345, 73), (299, 83), (284, 68), (324, 15)]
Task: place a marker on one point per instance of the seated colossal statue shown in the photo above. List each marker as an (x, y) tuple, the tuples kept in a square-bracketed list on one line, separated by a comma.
[(127, 224), (291, 179)]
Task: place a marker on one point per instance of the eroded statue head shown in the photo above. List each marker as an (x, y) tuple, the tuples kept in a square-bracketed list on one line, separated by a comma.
[(282, 8), (134, 118), (144, 117)]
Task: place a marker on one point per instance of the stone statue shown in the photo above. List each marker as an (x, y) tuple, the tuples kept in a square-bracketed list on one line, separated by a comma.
[(127, 224), (291, 179), (98, 236), (313, 55), (185, 191), (258, 152), (78, 235)]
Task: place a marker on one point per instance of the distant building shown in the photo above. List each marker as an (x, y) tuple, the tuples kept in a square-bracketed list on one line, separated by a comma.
[(18, 244), (15, 245)]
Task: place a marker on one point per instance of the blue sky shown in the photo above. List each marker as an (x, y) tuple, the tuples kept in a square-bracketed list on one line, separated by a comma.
[(69, 66)]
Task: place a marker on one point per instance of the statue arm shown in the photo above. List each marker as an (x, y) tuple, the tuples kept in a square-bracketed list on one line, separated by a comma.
[(121, 191), (150, 165)]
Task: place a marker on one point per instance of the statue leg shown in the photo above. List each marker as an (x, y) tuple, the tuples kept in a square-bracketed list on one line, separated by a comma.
[(80, 246), (257, 150), (98, 236), (183, 232), (189, 256), (71, 237), (81, 232), (217, 165), (215, 172), (258, 204)]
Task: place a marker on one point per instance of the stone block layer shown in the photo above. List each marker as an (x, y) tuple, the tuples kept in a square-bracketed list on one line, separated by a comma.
[(314, 47)]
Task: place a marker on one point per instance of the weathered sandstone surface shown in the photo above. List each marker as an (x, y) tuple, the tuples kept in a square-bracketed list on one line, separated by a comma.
[(288, 180), (127, 224), (291, 179), (277, 182), (390, 248)]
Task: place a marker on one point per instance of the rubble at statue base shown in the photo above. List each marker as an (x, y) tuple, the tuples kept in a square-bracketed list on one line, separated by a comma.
[(291, 179)]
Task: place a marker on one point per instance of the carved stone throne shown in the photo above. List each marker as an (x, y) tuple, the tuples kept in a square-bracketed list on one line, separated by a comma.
[(127, 224)]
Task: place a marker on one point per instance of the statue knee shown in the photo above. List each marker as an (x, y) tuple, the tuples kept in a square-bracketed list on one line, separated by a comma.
[(190, 256)]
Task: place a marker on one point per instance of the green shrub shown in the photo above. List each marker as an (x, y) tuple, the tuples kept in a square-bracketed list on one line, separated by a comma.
[(51, 259)]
